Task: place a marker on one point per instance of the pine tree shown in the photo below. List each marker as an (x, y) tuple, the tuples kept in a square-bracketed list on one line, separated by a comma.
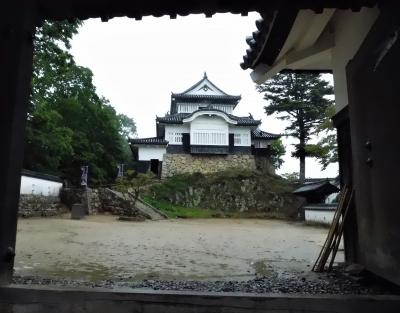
[(302, 100)]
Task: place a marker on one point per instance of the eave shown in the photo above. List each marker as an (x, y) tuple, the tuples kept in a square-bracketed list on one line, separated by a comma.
[(107, 9), (148, 141), (304, 45)]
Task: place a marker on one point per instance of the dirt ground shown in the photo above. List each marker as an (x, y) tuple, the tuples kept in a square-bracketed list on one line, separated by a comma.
[(100, 247)]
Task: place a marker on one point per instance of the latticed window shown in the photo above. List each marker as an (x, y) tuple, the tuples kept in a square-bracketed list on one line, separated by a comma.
[(241, 139), (237, 139), (209, 138), (174, 138)]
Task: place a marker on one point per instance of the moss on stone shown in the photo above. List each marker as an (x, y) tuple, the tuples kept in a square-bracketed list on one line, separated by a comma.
[(232, 192)]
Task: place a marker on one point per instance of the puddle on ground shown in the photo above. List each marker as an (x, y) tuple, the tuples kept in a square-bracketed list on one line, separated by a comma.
[(92, 271), (262, 269)]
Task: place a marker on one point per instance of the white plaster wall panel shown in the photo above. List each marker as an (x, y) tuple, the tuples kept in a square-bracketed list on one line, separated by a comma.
[(209, 130), (350, 29), (261, 143), (147, 153), (187, 107), (191, 107), (242, 135), (38, 186), (173, 133), (319, 216)]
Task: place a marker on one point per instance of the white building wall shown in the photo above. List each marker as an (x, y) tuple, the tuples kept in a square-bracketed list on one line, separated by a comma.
[(242, 136), (209, 130), (147, 153), (191, 107), (261, 143), (319, 216), (38, 186), (187, 107), (350, 29), (173, 133)]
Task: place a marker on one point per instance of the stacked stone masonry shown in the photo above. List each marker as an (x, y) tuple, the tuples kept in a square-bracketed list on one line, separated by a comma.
[(37, 205), (175, 164)]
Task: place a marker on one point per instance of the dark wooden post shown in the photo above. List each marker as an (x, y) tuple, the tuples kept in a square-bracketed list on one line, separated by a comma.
[(186, 142), (16, 48), (231, 143)]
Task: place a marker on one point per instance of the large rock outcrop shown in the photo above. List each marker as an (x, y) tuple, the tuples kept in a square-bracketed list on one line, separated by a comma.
[(232, 193)]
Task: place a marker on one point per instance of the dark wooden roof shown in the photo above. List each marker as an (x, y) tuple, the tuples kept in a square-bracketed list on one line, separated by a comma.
[(267, 41), (40, 175), (272, 30), (179, 117), (201, 81), (262, 135), (181, 97), (106, 9), (149, 141), (185, 96), (322, 186)]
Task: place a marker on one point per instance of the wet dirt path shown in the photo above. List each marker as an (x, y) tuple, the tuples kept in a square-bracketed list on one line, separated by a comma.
[(99, 247)]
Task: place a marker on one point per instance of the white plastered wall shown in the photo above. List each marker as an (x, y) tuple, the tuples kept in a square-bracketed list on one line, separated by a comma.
[(173, 131), (209, 125), (316, 216), (261, 143), (350, 29), (38, 186), (243, 131), (149, 152)]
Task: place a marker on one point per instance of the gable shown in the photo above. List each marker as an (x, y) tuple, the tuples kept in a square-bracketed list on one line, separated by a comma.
[(204, 88)]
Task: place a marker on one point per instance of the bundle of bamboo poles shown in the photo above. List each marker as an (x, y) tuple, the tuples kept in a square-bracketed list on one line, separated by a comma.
[(331, 245)]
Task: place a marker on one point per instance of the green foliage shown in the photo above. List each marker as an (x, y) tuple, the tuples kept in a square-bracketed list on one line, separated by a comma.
[(327, 145), (300, 99), (69, 125), (277, 152), (177, 211), (132, 187), (167, 194), (291, 177), (128, 126)]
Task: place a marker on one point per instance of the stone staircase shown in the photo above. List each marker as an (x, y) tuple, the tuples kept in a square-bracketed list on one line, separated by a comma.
[(145, 209), (150, 211)]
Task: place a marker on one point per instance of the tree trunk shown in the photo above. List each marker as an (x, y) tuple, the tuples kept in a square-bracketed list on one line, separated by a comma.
[(302, 174), (302, 145)]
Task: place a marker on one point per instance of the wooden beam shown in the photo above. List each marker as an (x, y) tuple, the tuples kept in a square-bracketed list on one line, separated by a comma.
[(16, 40)]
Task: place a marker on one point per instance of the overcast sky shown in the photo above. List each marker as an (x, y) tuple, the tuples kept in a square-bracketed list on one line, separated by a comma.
[(137, 64)]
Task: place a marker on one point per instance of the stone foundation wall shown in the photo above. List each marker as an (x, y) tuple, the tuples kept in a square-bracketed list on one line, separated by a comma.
[(174, 164), (264, 164), (87, 196), (100, 200), (37, 205)]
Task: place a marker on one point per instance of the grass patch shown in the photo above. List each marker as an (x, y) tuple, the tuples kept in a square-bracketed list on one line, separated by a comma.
[(176, 211)]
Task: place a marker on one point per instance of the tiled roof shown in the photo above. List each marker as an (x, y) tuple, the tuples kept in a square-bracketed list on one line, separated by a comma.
[(172, 118), (245, 120), (214, 97), (314, 186), (204, 80), (107, 9), (149, 141), (267, 41), (44, 176), (222, 96), (179, 117), (260, 134)]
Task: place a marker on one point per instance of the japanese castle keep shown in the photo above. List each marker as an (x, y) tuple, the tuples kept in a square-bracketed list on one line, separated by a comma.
[(200, 134)]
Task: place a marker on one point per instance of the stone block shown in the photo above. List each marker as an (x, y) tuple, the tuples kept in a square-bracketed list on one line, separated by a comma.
[(77, 211)]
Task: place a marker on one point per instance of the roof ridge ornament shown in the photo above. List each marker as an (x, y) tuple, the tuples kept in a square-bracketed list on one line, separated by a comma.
[(205, 74)]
